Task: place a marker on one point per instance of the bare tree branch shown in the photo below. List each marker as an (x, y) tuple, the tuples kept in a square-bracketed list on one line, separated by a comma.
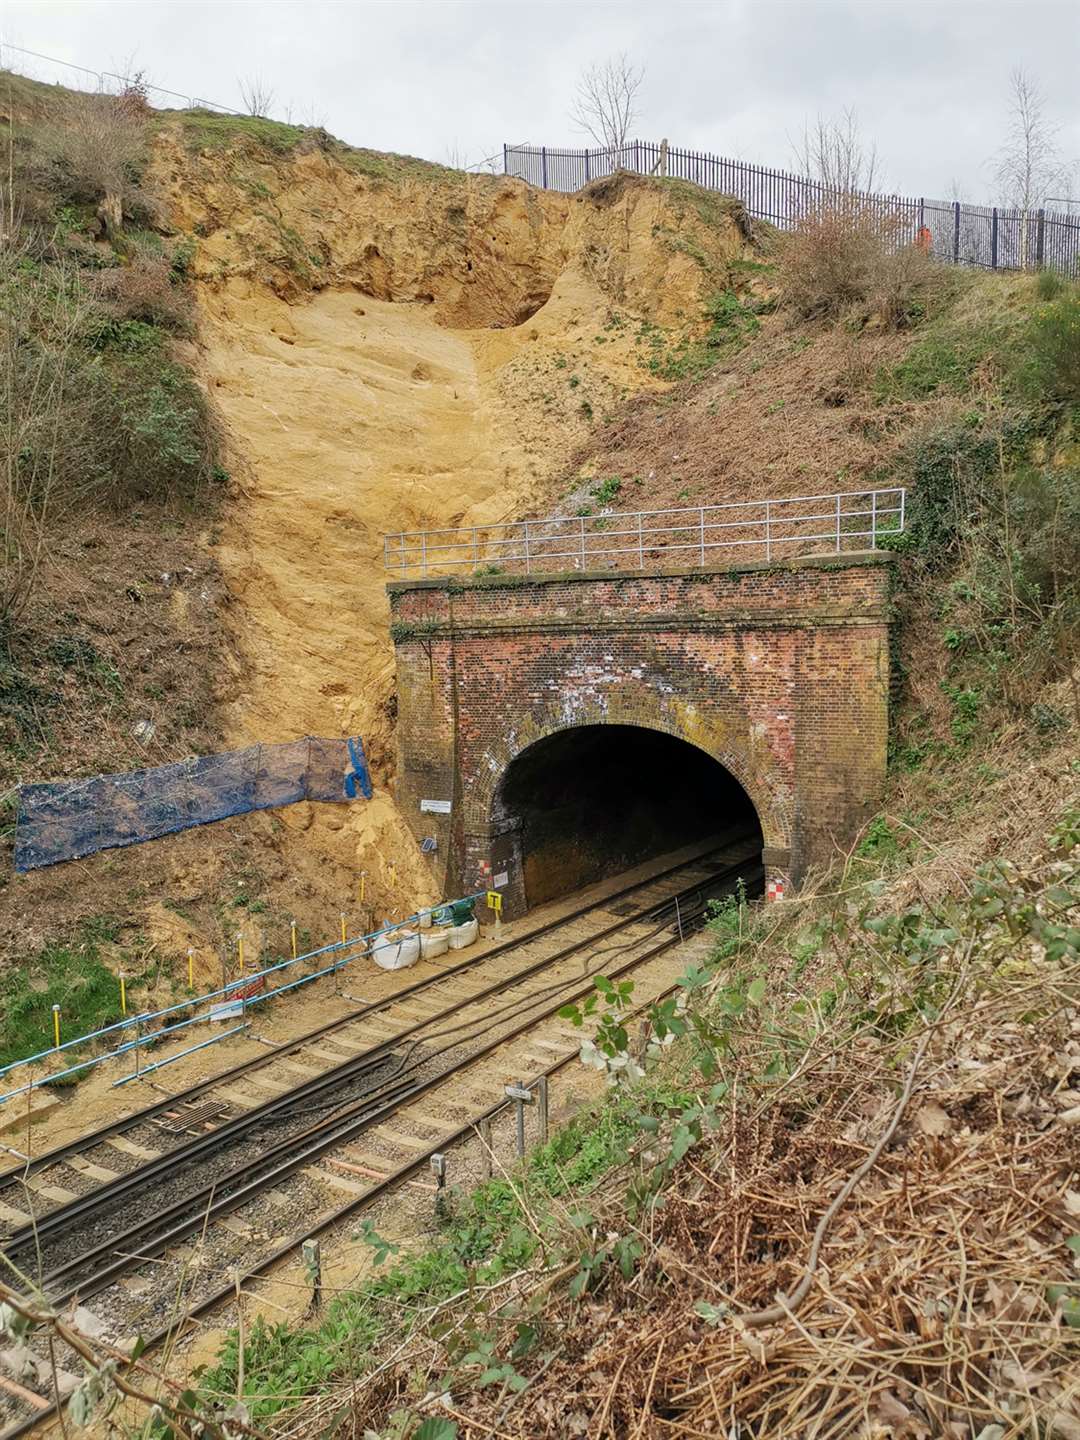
[(1029, 166), (257, 95), (834, 153), (606, 104)]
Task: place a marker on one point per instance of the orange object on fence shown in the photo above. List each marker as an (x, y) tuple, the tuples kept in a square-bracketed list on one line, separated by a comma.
[(924, 239)]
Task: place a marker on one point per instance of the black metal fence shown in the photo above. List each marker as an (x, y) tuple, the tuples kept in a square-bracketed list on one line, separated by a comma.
[(992, 237)]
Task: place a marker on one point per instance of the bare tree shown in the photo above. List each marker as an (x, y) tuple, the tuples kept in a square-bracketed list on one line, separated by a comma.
[(257, 95), (606, 104), (834, 153), (1029, 165)]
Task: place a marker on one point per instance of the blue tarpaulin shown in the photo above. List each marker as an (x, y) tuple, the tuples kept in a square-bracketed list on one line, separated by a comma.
[(66, 819)]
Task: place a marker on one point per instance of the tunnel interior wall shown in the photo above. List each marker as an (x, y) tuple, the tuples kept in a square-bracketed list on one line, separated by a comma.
[(779, 673), (594, 800)]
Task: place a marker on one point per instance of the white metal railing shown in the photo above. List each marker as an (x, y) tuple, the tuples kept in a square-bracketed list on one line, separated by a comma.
[(690, 537)]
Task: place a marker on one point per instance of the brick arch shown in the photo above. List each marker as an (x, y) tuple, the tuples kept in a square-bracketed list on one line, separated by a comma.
[(763, 790)]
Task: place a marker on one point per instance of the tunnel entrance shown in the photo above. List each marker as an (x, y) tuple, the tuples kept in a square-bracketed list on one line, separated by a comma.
[(597, 799)]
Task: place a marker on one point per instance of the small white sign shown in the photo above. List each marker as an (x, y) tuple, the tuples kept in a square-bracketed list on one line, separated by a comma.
[(435, 807), (501, 879)]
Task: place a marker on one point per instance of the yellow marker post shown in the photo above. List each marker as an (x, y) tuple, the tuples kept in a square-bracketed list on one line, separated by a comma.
[(123, 994), (292, 933), (56, 1025), (363, 886), (343, 927), (191, 969), (494, 903)]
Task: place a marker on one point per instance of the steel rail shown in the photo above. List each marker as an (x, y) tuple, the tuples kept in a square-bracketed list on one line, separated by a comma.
[(286, 1048), (104, 1195), (205, 1204)]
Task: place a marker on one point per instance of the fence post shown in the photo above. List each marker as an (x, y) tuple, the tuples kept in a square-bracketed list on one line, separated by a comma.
[(701, 532), (956, 233), (586, 164), (873, 519), (838, 523), (993, 238), (768, 530), (1040, 228), (640, 544), (581, 539), (506, 159), (543, 165)]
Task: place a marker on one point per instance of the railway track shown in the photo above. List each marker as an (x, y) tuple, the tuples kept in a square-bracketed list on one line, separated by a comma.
[(31, 1189), (359, 1126)]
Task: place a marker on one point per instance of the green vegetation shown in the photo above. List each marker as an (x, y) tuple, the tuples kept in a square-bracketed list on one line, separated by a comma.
[(947, 359), (211, 131), (98, 410), (732, 321), (70, 975), (1051, 365), (486, 1235)]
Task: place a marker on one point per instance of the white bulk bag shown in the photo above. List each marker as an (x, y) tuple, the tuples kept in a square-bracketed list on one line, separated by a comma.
[(463, 935), (436, 942), (396, 951)]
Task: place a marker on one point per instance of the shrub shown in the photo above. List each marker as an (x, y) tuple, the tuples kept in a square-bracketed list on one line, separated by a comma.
[(846, 256), (146, 290)]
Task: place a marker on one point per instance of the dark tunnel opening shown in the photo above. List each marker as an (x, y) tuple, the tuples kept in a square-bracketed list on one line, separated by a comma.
[(595, 800)]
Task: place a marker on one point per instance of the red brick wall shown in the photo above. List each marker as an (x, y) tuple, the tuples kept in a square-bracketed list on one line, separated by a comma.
[(779, 672)]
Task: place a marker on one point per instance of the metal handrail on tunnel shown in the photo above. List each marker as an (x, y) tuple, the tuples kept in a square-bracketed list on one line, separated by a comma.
[(690, 536)]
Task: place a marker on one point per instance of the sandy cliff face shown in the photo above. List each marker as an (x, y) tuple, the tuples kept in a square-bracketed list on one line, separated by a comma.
[(401, 355)]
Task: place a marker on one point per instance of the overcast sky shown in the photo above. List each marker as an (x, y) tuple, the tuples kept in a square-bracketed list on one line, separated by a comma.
[(929, 78)]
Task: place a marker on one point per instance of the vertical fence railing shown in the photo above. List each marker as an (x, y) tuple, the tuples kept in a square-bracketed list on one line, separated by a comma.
[(989, 237), (686, 537)]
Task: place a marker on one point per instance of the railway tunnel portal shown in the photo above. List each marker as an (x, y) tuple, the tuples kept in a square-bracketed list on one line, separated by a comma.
[(554, 728)]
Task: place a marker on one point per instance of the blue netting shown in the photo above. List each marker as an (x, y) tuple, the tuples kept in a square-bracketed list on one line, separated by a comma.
[(67, 819)]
